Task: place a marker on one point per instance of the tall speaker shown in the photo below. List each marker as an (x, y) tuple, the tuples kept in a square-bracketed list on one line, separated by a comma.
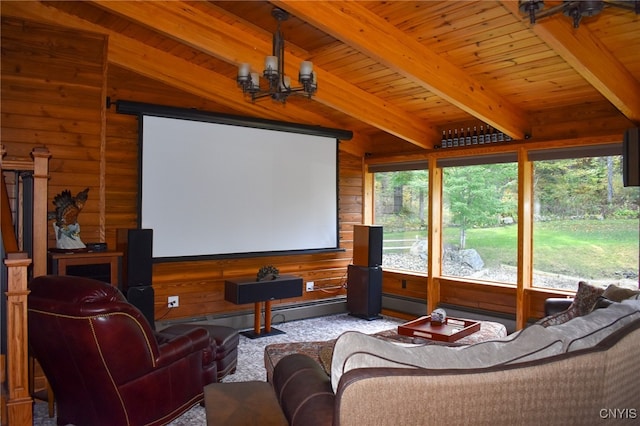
[(631, 157), (143, 298), (367, 245), (364, 291), (136, 246)]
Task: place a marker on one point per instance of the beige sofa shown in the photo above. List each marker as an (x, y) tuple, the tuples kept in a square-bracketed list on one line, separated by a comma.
[(581, 372)]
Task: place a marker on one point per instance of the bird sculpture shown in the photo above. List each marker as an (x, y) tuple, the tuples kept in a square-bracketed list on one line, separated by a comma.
[(66, 212)]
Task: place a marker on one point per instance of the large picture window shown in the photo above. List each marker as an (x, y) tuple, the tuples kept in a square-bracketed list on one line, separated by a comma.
[(480, 235), (585, 223), (401, 207)]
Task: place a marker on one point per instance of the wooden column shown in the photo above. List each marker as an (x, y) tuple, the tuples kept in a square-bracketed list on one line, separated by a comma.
[(435, 236), (40, 180), (20, 403), (525, 237)]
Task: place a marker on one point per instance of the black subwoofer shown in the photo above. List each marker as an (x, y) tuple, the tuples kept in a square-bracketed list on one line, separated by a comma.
[(364, 291), (142, 298)]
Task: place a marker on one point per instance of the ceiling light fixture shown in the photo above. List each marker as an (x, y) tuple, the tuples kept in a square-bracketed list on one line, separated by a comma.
[(279, 84), (575, 10)]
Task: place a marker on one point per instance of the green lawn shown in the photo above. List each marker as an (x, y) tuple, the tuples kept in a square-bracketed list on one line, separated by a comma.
[(586, 248)]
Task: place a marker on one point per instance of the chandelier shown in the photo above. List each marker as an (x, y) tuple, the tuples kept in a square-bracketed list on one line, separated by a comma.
[(279, 84), (575, 10)]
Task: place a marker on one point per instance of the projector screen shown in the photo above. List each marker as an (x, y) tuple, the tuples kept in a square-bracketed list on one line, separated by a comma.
[(211, 189)]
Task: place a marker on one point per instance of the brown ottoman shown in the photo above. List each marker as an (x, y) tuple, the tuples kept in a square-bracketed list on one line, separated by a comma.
[(226, 345), (226, 355), (242, 403)]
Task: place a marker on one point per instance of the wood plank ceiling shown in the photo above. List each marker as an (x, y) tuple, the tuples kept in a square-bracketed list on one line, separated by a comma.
[(396, 73)]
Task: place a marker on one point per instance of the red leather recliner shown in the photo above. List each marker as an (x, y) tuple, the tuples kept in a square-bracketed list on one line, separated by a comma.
[(103, 360)]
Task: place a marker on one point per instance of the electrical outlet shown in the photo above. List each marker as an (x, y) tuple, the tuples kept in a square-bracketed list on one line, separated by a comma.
[(173, 301), (310, 285)]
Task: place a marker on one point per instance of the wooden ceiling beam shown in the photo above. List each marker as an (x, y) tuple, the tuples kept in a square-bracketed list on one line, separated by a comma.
[(187, 24), (589, 58), (355, 25), (184, 75)]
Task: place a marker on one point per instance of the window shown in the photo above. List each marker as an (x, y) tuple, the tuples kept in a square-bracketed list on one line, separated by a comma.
[(585, 223), (401, 207), (480, 206)]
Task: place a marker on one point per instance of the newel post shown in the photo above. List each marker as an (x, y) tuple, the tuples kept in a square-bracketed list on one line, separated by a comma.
[(20, 403)]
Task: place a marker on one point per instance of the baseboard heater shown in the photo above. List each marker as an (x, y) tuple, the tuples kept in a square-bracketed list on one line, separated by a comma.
[(243, 320)]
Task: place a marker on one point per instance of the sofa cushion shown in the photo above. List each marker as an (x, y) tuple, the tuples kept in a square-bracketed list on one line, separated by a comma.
[(583, 303), (587, 331), (356, 350)]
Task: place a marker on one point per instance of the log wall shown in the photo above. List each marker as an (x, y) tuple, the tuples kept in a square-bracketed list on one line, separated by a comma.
[(54, 89)]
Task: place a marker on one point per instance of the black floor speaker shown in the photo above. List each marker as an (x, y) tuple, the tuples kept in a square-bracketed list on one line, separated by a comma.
[(142, 298), (364, 291), (136, 246)]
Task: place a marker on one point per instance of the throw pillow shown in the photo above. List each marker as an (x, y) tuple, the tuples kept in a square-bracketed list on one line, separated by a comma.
[(618, 294), (613, 294), (583, 303)]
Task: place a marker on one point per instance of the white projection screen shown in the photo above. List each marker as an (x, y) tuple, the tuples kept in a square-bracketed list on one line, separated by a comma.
[(210, 189)]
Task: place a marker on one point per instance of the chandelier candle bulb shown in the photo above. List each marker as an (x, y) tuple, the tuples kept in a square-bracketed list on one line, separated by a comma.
[(306, 68), (244, 69), (271, 65)]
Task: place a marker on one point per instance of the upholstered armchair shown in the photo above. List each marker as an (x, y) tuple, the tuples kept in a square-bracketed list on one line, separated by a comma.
[(103, 360)]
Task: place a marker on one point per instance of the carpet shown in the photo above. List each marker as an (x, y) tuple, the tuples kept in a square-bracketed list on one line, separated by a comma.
[(251, 355)]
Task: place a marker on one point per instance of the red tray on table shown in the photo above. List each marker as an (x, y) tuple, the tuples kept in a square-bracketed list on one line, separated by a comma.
[(450, 331)]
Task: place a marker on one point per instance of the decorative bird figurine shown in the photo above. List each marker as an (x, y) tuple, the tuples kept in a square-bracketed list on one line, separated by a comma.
[(67, 210)]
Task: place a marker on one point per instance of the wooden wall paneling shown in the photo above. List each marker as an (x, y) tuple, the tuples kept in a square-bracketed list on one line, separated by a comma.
[(536, 297), (497, 298), (403, 284), (52, 85)]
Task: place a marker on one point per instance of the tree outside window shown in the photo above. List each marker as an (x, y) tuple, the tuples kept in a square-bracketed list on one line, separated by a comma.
[(480, 205), (401, 201)]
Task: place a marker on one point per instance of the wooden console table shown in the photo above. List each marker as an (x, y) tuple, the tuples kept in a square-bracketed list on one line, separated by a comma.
[(248, 290), (61, 260)]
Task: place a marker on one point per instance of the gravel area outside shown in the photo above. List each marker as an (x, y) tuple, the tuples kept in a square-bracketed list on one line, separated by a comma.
[(504, 274)]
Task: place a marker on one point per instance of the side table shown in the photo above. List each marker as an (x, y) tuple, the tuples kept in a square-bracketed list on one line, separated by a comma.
[(248, 290), (61, 260)]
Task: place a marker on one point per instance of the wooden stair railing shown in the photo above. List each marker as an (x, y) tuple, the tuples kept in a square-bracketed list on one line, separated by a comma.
[(19, 405)]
